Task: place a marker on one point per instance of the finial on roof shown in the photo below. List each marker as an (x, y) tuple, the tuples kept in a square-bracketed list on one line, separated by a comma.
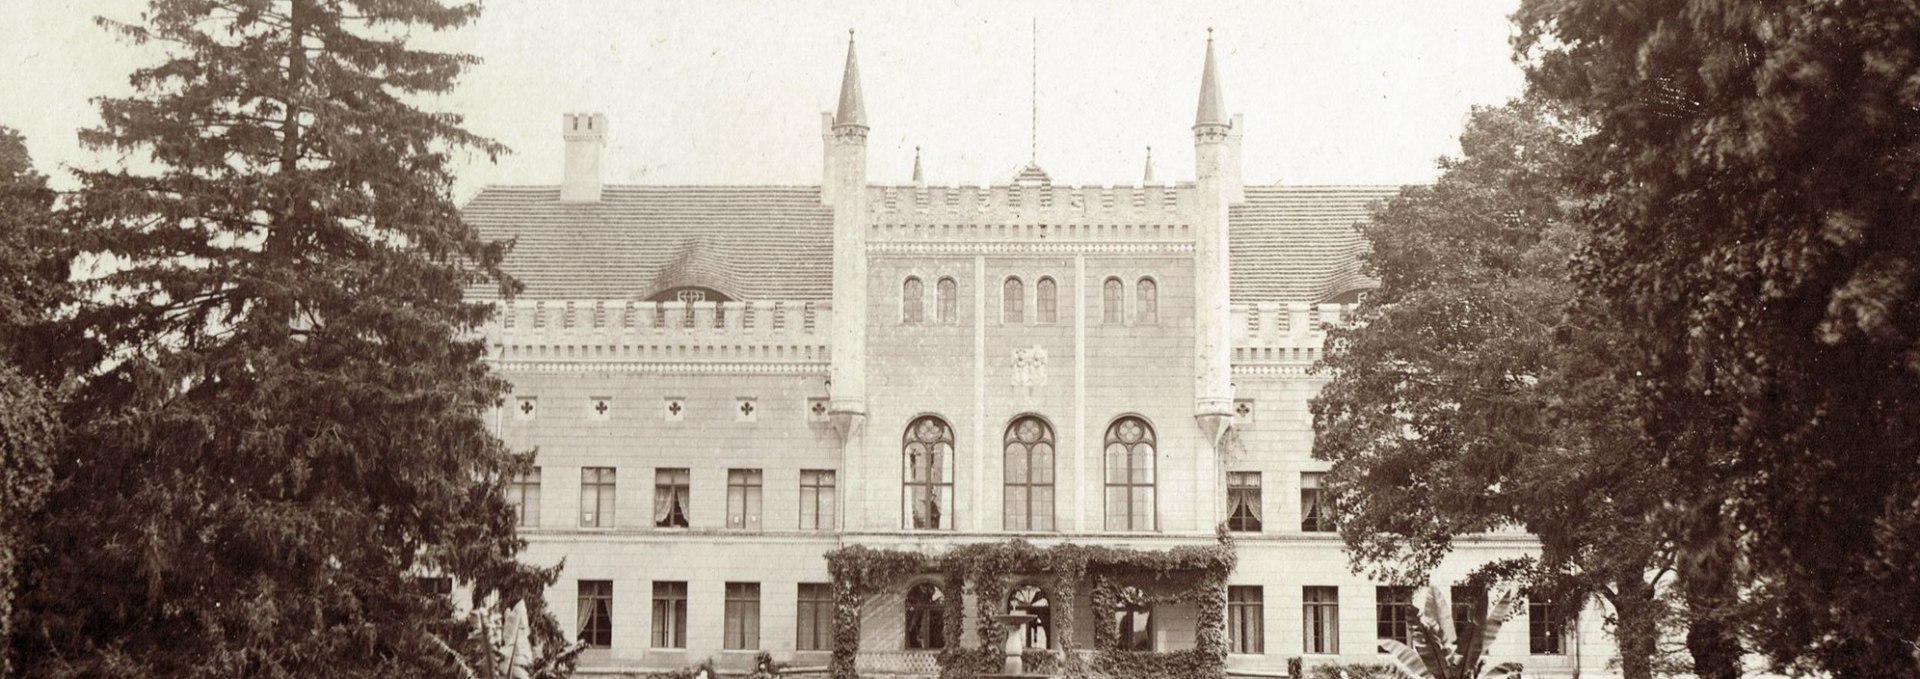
[(1148, 179), (1212, 110), (918, 179), (853, 108)]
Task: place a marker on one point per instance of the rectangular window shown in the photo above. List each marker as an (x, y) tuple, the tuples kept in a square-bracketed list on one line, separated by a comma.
[(1546, 633), (669, 615), (523, 492), (596, 613), (1321, 620), (1246, 620), (1243, 501), (816, 499), (1313, 510), (743, 499), (743, 616), (1469, 609), (596, 497), (815, 620), (1393, 611), (670, 495)]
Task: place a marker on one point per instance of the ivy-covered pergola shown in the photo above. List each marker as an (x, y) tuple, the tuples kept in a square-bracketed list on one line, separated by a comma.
[(1197, 573)]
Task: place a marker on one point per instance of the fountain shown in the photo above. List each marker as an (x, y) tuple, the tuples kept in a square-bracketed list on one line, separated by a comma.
[(1016, 642)]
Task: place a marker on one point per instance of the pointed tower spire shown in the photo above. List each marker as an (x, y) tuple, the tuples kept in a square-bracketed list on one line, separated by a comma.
[(1212, 111), (1148, 179), (918, 179), (853, 109)]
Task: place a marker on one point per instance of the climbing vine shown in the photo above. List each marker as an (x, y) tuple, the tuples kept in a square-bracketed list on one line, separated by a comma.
[(987, 570)]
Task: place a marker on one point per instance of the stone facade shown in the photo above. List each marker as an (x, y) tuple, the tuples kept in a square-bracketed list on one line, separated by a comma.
[(685, 328)]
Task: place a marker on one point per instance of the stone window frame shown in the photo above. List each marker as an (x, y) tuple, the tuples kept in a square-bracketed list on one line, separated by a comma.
[(1050, 437), (943, 469), (913, 301), (1109, 438)]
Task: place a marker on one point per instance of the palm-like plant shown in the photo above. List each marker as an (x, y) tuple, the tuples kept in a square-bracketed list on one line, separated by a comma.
[(1440, 654)]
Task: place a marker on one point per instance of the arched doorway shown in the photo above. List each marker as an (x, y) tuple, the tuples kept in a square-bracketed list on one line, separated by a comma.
[(1031, 600)]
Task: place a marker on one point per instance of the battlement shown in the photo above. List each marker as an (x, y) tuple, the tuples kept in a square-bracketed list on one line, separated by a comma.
[(1149, 212), (631, 330), (1274, 332)]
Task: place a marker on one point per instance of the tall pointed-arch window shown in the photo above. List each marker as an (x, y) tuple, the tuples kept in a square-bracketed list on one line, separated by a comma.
[(1130, 447), (1110, 294), (1013, 301), (928, 449), (945, 299), (926, 617), (1045, 307), (1028, 468), (1148, 302), (912, 301)]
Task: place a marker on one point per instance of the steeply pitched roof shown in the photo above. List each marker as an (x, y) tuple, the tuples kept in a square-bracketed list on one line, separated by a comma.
[(1212, 109), (1289, 243), (853, 108), (749, 242), (1298, 243)]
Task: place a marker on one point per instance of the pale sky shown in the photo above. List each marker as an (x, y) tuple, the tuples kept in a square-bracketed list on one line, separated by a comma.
[(710, 92)]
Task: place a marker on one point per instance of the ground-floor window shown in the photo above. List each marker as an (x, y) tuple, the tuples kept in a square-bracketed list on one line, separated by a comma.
[(814, 619), (1246, 619), (1321, 620), (1546, 633), (1135, 620), (1394, 614), (596, 613), (926, 613), (669, 615), (743, 616)]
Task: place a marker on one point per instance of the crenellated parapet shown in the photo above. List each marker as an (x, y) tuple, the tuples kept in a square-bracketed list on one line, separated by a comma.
[(789, 333), (1087, 212), (1281, 338)]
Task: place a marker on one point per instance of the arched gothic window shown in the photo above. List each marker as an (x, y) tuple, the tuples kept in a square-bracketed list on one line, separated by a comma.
[(926, 617), (1130, 475), (1031, 600), (928, 449), (1045, 306), (1148, 302), (1110, 300), (1028, 470), (945, 293), (912, 299), (1013, 301)]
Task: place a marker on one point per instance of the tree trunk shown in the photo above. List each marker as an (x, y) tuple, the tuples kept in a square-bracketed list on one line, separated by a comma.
[(1710, 636), (1637, 632)]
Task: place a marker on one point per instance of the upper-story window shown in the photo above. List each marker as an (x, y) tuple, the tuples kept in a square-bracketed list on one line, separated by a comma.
[(1013, 301), (946, 291), (1045, 305), (1148, 301), (1111, 293), (1029, 474), (912, 301), (1130, 447), (927, 448)]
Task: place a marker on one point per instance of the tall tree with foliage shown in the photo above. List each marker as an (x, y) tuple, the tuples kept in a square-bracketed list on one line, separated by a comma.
[(1757, 226), (33, 277), (288, 423), (1474, 390)]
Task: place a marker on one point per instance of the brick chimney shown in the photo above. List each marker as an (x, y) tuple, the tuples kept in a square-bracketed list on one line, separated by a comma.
[(586, 136)]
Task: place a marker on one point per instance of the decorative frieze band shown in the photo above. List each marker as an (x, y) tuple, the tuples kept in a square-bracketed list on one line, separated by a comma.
[(1273, 370), (661, 368), (1027, 248)]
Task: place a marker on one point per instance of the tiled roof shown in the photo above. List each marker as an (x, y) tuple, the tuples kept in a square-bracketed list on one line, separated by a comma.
[(1298, 243), (750, 242), (1289, 244)]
